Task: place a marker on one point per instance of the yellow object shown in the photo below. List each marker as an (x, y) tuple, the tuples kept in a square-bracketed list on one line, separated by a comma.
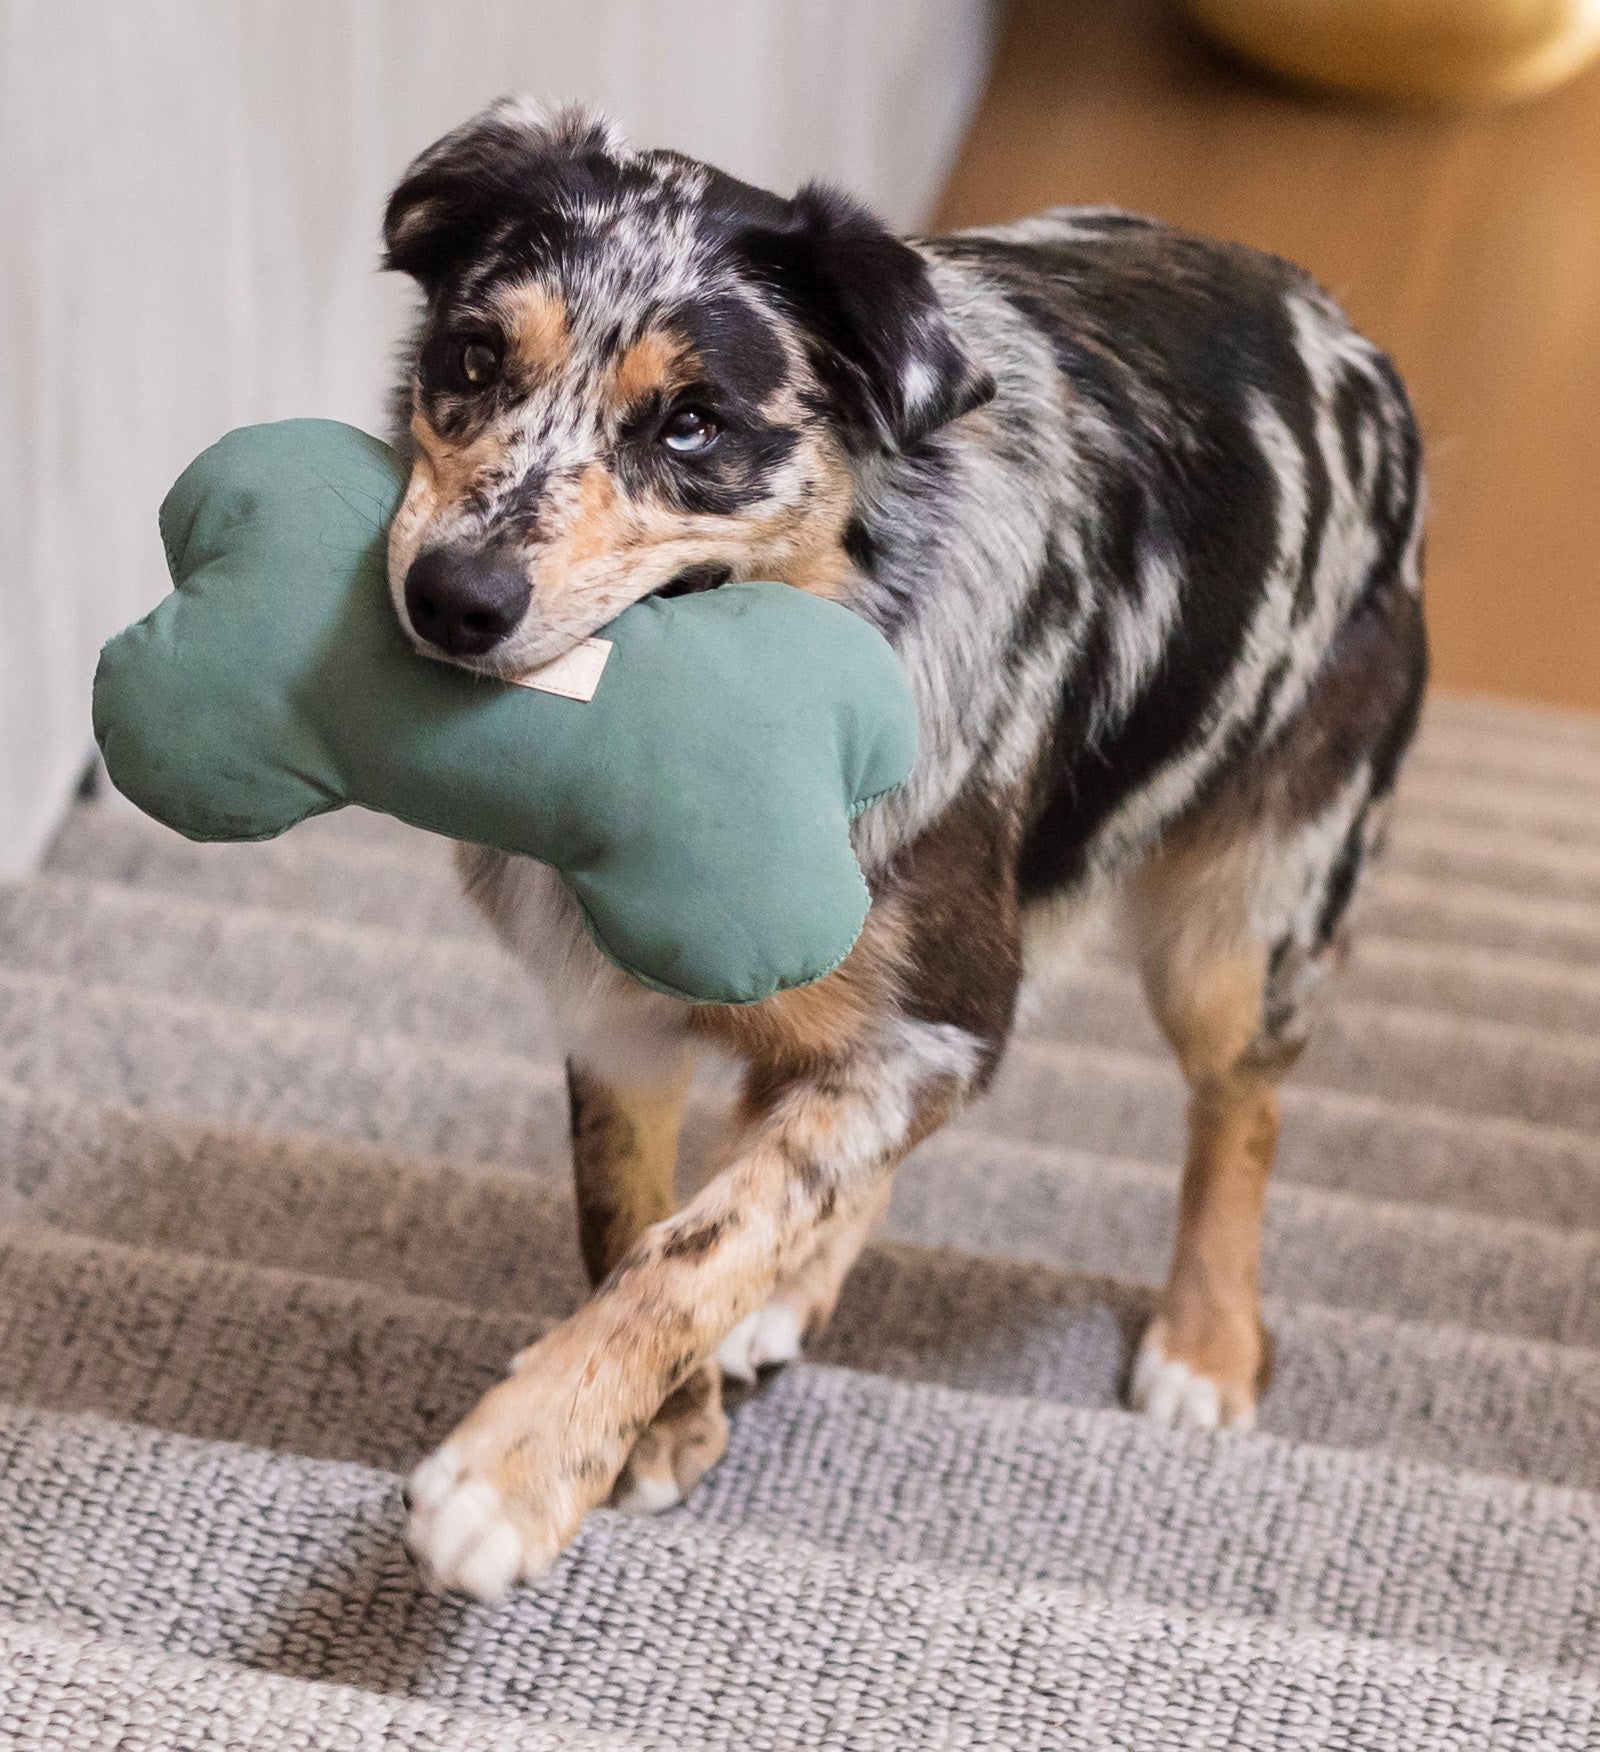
[(1436, 50)]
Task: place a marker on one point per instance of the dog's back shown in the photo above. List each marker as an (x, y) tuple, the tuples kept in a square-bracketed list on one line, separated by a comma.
[(1194, 487)]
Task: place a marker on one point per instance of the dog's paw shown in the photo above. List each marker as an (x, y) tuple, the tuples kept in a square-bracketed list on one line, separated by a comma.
[(462, 1533), (506, 1493), (688, 1438), (771, 1335), (1176, 1395)]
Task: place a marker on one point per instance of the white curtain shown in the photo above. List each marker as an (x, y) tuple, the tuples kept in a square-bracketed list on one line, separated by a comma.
[(189, 202)]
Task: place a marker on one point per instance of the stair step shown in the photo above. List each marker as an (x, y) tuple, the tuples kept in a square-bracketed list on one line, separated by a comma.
[(356, 868), (69, 1693), (1032, 1492), (951, 1569), (493, 1240), (1492, 985), (1426, 910), (1129, 1104), (1381, 974), (377, 980), (1521, 722), (1341, 1378), (1509, 767), (244, 1068), (1501, 857), (366, 1371), (175, 1341), (1440, 1057), (1509, 782), (285, 1073), (1540, 1074), (1113, 1216), (319, 868), (1499, 759), (471, 990), (1561, 819), (892, 1654)]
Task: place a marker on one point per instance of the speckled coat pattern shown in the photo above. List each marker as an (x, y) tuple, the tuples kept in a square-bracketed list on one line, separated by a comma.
[(1142, 518)]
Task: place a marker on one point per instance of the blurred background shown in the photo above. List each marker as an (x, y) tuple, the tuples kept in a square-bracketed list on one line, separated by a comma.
[(190, 193)]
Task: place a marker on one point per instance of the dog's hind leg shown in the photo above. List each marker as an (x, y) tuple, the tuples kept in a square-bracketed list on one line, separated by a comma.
[(1206, 1355), (1236, 927), (624, 1159), (1239, 916)]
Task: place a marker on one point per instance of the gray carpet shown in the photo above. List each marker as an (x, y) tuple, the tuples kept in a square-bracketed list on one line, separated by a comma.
[(282, 1183)]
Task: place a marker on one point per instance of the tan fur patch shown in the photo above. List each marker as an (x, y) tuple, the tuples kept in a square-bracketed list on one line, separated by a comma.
[(803, 544), (606, 528), (651, 364), (1210, 1308), (1210, 1010), (819, 1023), (1205, 976), (452, 469), (441, 474), (687, 1438), (539, 327), (600, 526), (822, 571)]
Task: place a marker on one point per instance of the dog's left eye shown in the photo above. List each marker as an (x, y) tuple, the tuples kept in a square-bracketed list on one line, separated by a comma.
[(480, 363), (689, 431)]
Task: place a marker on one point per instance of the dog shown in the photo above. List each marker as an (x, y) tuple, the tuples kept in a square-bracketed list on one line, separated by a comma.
[(1143, 519)]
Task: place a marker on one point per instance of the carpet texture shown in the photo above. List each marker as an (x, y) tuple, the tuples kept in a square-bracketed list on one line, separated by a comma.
[(283, 1181)]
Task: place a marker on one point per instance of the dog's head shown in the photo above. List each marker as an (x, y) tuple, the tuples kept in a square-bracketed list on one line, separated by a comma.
[(636, 374)]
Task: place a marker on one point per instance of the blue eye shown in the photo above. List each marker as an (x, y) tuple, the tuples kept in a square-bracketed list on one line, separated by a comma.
[(689, 430)]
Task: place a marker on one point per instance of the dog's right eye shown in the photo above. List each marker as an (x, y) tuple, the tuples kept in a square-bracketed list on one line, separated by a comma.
[(479, 363), (689, 431)]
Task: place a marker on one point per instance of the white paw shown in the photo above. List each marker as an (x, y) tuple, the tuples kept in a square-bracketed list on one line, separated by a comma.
[(771, 1335), (1168, 1391), (646, 1496), (459, 1533)]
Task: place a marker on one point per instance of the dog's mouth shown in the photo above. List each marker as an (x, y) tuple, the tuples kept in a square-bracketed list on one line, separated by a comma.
[(695, 580), (692, 581)]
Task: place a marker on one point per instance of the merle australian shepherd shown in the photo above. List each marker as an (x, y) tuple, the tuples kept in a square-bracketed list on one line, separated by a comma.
[(1142, 518)]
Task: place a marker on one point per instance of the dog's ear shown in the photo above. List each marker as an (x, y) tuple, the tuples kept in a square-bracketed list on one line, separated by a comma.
[(879, 338), (501, 165)]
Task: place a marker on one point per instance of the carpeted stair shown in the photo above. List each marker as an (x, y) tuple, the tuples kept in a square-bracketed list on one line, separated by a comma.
[(283, 1183)]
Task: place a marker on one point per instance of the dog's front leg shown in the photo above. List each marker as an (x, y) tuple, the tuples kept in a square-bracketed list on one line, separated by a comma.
[(509, 1488)]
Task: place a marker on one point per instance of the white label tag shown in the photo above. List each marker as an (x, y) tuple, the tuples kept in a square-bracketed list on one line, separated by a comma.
[(574, 675)]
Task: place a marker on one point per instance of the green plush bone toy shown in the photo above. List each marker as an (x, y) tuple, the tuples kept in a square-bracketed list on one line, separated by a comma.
[(698, 805)]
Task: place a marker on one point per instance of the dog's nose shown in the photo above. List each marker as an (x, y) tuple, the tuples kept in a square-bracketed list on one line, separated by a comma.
[(465, 603)]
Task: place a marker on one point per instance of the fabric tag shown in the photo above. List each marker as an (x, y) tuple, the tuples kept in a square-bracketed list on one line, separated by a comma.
[(575, 674)]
